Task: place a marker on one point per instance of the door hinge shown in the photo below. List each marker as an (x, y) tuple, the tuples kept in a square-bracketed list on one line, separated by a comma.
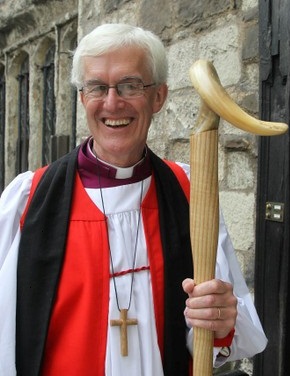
[(275, 211)]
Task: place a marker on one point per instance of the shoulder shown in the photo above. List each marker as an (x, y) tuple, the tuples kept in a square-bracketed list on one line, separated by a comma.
[(182, 174), (185, 167), (18, 190), (12, 203), (178, 167)]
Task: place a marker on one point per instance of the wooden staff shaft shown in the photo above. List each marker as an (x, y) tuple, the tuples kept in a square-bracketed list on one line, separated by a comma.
[(204, 224)]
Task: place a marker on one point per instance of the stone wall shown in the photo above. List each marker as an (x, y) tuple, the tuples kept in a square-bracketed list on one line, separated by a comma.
[(225, 32)]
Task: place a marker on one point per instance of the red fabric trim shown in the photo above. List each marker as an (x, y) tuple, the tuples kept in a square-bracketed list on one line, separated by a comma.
[(35, 180), (129, 271), (77, 335), (226, 341), (150, 218), (181, 177)]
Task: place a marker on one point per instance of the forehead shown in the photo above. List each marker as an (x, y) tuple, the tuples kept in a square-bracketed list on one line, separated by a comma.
[(117, 64)]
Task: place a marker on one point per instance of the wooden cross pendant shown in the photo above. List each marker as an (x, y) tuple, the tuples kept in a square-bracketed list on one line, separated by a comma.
[(123, 322)]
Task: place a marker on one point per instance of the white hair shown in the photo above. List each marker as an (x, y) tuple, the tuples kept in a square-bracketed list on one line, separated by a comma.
[(109, 37)]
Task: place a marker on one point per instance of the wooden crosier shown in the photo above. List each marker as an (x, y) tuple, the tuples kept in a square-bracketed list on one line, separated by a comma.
[(204, 200)]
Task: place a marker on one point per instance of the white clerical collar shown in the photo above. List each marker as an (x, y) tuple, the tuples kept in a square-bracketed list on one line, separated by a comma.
[(121, 172)]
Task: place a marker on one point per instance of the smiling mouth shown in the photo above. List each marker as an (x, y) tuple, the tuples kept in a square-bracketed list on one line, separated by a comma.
[(117, 123)]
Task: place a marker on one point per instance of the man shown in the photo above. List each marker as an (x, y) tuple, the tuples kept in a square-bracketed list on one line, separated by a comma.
[(101, 238)]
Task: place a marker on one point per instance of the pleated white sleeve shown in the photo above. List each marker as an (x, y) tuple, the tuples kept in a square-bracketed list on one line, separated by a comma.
[(12, 204), (249, 338)]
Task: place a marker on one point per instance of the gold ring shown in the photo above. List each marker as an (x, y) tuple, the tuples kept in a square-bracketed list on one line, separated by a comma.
[(219, 313)]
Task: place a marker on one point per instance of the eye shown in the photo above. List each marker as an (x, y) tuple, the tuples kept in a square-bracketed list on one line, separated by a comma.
[(132, 85), (98, 89), (130, 88)]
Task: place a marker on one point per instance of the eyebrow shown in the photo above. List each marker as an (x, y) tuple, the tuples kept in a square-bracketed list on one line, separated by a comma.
[(94, 82), (97, 81), (131, 78)]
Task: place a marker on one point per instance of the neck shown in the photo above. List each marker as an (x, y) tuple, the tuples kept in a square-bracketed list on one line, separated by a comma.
[(119, 161), (121, 172)]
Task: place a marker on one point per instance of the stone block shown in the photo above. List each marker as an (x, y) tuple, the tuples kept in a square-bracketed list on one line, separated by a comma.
[(189, 12), (239, 212), (221, 46), (181, 56), (251, 42), (249, 4), (180, 113), (240, 173), (155, 15)]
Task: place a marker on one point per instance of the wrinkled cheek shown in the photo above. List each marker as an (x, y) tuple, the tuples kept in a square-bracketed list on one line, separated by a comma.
[(92, 117), (91, 108)]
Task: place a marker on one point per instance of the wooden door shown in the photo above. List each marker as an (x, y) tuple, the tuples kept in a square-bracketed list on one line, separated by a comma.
[(272, 234)]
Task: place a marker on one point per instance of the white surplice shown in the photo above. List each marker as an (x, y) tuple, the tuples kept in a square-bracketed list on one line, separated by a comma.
[(122, 209)]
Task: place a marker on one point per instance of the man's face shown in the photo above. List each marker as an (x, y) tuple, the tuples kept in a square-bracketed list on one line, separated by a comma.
[(120, 126)]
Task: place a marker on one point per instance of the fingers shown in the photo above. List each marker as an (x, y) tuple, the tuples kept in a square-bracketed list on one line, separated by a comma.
[(211, 305), (220, 322), (214, 286), (212, 293), (217, 319)]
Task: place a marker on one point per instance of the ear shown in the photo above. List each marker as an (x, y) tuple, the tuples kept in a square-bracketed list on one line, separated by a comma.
[(160, 97), (82, 98)]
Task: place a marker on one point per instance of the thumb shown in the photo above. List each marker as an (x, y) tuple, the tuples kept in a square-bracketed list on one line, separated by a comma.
[(188, 285)]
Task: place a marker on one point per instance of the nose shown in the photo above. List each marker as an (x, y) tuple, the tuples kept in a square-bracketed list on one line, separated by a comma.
[(113, 101)]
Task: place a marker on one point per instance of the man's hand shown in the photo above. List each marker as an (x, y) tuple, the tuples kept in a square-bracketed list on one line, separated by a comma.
[(211, 305)]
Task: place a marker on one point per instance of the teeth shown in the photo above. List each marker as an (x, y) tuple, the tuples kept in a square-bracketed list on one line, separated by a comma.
[(116, 123)]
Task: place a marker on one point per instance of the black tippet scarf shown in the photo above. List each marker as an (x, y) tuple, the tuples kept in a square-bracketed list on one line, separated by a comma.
[(42, 248)]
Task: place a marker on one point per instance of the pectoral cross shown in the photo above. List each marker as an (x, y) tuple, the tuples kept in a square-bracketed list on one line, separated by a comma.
[(123, 322)]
